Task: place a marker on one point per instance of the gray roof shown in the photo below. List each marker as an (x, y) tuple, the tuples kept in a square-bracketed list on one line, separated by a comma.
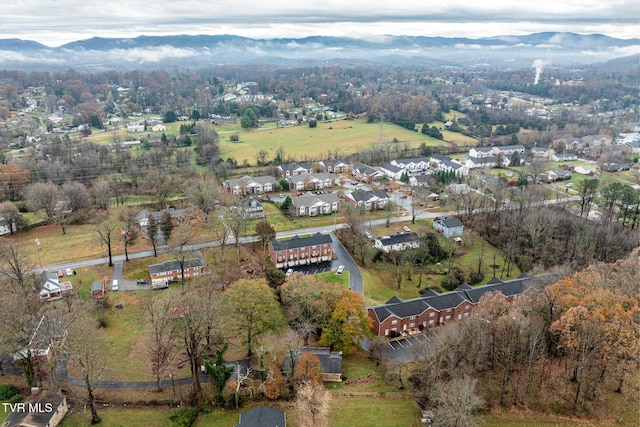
[(412, 160), (391, 168), (173, 265), (399, 238), (446, 160), (331, 361), (449, 222), (262, 416), (315, 199), (97, 286), (248, 180), (450, 300), (301, 242), (363, 195)]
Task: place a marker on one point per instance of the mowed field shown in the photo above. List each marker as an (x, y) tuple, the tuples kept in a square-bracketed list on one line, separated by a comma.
[(343, 137)]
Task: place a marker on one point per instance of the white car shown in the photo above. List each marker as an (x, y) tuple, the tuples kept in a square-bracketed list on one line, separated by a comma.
[(407, 229), (368, 235), (289, 272), (114, 285), (69, 272), (340, 270)]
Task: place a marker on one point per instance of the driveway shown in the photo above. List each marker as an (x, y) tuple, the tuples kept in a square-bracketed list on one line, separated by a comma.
[(343, 257), (123, 285)]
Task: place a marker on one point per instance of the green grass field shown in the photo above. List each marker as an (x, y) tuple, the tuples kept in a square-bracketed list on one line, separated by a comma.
[(328, 138)]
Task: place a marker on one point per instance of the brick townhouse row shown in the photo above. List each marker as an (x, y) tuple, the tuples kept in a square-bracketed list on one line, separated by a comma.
[(398, 316), (301, 250)]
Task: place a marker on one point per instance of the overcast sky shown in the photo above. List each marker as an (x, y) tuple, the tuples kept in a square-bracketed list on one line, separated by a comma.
[(55, 22)]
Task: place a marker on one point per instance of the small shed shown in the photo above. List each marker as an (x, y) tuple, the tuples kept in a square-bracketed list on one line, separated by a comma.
[(97, 290)]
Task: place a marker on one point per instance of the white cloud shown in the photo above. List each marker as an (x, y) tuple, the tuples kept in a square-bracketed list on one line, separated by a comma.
[(54, 22)]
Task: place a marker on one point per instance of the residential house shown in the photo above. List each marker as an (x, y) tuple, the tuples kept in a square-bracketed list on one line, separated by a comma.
[(42, 409), (391, 171), (632, 147), (481, 162), (449, 227), (137, 127), (169, 271), (250, 185), (301, 250), (508, 150), (564, 157), (250, 208), (48, 332), (98, 290), (51, 288), (262, 416), (315, 204), (558, 175), (481, 152), (616, 167), (603, 152), (439, 162), (143, 216), (542, 152), (585, 170), (399, 316), (568, 144), (335, 165), (596, 140), (312, 181), (292, 169), (331, 361), (368, 200), (398, 242), (366, 173), (5, 227), (412, 165), (158, 128)]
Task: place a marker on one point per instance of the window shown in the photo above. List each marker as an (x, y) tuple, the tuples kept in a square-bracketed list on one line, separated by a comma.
[(394, 322), (412, 325), (467, 307), (448, 317), (432, 314), (431, 322), (466, 314), (412, 317), (386, 332)]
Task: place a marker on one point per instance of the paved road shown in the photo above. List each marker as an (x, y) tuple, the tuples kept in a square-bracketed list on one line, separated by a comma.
[(356, 283), (251, 239)]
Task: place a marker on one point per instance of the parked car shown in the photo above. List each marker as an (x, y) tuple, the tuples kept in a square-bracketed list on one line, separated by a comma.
[(340, 270), (69, 272), (60, 273), (142, 282), (114, 286), (407, 229), (368, 235), (289, 272)]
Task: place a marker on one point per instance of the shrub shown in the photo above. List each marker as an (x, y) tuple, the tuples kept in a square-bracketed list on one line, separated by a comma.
[(475, 277), (183, 417), (7, 391), (16, 399)]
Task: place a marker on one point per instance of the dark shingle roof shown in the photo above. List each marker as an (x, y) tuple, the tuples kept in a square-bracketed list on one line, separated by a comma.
[(399, 238), (301, 242)]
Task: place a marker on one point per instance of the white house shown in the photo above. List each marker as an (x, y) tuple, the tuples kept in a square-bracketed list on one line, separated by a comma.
[(313, 205), (449, 227), (398, 242), (585, 170)]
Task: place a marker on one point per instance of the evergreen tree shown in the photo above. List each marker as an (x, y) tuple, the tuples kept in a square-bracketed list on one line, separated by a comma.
[(166, 225)]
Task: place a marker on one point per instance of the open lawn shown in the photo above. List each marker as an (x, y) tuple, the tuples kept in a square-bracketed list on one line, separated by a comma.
[(325, 141), (332, 277), (374, 412), (121, 417)]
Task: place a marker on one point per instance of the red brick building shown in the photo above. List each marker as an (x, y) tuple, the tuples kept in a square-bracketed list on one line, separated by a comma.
[(301, 250), (398, 316)]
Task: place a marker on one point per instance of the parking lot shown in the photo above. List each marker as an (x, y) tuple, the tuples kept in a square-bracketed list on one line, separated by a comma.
[(408, 342), (311, 268)]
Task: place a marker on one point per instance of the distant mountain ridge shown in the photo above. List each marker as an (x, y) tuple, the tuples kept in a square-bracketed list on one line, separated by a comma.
[(207, 50)]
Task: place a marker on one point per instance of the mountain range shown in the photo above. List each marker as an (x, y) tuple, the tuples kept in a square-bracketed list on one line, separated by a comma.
[(197, 51)]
